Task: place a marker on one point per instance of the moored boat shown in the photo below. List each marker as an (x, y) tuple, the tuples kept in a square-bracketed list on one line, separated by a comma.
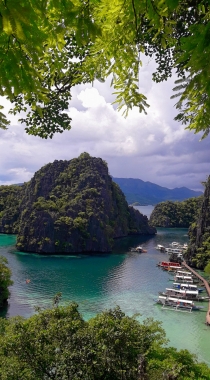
[(168, 264), (138, 249), (161, 248), (181, 293), (185, 279), (177, 304), (178, 285)]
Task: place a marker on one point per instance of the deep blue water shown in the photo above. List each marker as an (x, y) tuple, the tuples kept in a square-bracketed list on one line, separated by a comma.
[(99, 282)]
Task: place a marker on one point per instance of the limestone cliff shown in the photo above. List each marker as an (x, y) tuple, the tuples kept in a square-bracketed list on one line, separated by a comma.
[(198, 254), (74, 206), (10, 199)]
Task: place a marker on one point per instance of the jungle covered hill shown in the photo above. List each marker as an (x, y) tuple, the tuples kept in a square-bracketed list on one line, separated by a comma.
[(148, 193), (69, 206), (176, 214)]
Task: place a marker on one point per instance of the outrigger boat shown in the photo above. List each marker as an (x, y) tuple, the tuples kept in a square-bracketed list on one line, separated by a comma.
[(184, 273), (161, 248), (178, 285), (139, 249), (183, 294), (185, 279), (169, 264), (172, 303)]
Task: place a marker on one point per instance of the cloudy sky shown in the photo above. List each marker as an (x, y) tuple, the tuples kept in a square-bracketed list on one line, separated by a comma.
[(151, 147)]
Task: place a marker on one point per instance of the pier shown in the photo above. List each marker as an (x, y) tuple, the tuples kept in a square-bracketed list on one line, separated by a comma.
[(206, 286)]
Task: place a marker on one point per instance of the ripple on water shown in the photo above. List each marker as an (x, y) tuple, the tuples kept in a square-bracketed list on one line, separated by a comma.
[(96, 283)]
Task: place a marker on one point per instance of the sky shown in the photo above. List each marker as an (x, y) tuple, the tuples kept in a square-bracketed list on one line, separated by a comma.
[(151, 147)]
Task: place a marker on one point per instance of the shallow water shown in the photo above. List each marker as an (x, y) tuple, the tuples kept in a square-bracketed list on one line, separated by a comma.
[(98, 282)]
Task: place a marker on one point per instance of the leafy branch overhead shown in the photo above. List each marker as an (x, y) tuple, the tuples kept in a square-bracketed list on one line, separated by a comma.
[(47, 47)]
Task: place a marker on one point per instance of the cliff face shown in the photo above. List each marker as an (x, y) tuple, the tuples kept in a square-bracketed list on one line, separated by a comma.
[(74, 206), (198, 254), (10, 199)]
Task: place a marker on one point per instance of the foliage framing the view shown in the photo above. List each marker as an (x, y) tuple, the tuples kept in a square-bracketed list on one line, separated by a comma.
[(59, 344), (5, 281), (40, 39)]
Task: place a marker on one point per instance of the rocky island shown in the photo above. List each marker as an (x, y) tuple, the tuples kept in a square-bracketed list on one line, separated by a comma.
[(71, 206), (176, 214)]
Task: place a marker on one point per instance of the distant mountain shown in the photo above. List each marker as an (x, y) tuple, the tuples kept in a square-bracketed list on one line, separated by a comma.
[(148, 193)]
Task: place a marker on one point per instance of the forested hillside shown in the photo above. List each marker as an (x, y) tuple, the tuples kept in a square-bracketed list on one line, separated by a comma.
[(70, 206), (176, 214), (10, 198)]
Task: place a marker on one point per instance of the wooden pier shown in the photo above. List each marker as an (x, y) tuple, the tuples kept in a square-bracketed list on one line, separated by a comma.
[(207, 289)]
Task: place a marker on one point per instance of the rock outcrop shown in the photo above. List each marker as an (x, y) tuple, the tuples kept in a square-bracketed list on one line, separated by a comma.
[(198, 254), (10, 199), (74, 206), (176, 214)]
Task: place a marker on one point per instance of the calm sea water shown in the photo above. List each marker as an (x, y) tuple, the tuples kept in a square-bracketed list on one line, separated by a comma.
[(99, 282)]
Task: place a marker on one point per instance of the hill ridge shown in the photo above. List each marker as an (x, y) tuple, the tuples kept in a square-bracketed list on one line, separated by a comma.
[(146, 192)]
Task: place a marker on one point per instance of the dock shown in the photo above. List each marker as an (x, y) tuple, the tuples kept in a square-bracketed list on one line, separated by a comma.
[(206, 284)]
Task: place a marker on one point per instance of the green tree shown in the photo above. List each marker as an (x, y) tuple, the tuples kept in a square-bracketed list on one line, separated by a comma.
[(40, 40), (58, 344), (5, 280), (207, 268)]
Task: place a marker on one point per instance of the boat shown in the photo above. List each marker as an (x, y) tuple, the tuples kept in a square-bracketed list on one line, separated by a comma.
[(184, 273), (182, 293), (170, 268), (177, 251), (175, 244), (178, 285), (169, 264), (185, 279), (138, 249), (177, 304), (161, 248)]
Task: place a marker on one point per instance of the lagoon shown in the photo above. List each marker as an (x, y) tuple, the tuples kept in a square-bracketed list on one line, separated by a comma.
[(102, 281)]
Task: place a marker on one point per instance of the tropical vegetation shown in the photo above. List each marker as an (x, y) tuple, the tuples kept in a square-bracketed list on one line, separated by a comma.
[(58, 343), (198, 254), (69, 206), (176, 214), (51, 46), (10, 198), (5, 281)]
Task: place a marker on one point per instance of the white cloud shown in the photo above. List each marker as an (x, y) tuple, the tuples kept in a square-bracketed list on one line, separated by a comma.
[(152, 147)]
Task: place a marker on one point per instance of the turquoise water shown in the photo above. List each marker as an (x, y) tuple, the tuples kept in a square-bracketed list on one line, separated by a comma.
[(98, 282)]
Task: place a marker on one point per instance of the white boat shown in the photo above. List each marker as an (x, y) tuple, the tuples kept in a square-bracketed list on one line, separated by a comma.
[(177, 251), (178, 285), (185, 279), (177, 304), (138, 249), (175, 244), (184, 273), (160, 248), (181, 293)]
